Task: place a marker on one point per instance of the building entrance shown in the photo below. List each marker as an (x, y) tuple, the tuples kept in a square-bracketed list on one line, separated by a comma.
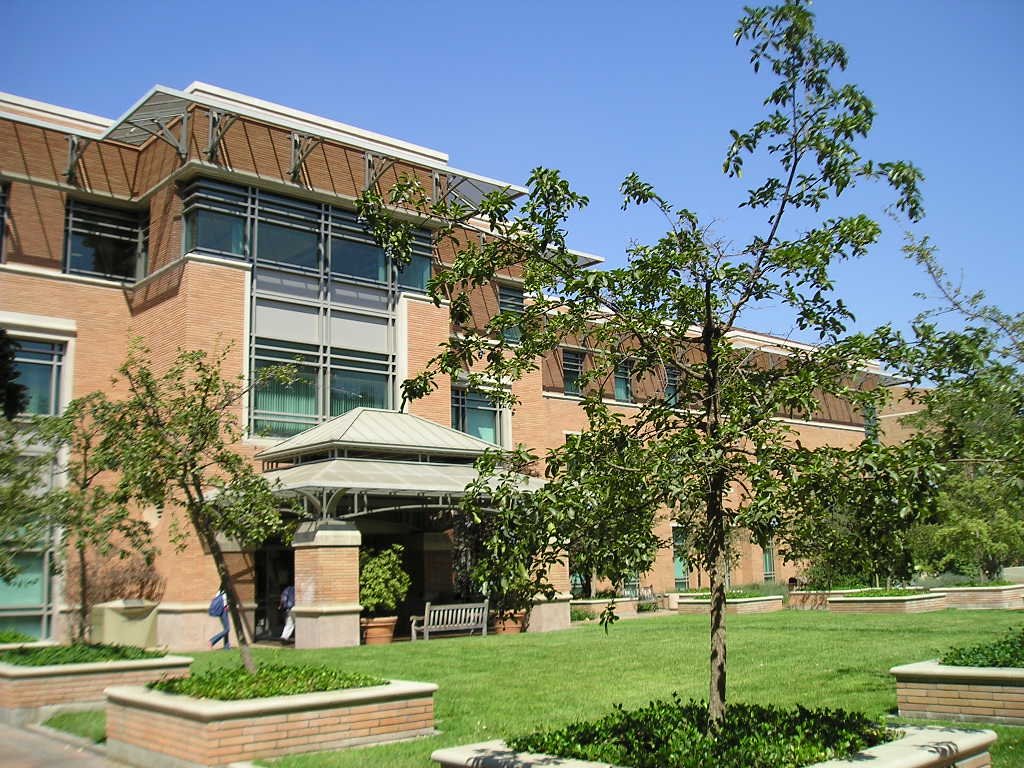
[(275, 570)]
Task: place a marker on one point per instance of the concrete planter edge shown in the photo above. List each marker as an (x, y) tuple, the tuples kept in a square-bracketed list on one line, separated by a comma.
[(920, 747)]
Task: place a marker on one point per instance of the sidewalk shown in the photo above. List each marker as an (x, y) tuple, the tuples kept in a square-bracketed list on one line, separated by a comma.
[(29, 749)]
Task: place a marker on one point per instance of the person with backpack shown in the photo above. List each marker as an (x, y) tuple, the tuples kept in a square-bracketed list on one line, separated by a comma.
[(219, 608), (286, 603)]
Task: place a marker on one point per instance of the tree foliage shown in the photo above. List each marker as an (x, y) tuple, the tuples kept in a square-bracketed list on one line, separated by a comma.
[(27, 510), (178, 431), (716, 449)]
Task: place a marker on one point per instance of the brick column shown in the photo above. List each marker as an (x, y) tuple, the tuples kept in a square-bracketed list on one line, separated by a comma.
[(327, 585), (550, 615)]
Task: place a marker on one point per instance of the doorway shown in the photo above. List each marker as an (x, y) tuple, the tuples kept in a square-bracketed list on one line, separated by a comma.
[(275, 570)]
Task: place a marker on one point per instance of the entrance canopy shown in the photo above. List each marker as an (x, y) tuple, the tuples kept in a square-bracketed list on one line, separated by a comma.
[(371, 459)]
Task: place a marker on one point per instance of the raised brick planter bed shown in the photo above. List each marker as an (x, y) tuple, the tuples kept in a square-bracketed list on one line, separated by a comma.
[(985, 598), (933, 691), (767, 604), (922, 603), (150, 728), (624, 606), (919, 748), (31, 694), (807, 600)]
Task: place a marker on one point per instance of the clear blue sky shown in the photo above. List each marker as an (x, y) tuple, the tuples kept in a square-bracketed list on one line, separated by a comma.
[(597, 89)]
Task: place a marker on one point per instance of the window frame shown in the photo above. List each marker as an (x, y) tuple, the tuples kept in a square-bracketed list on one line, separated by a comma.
[(511, 299), (576, 367), (124, 225), (460, 405), (623, 372)]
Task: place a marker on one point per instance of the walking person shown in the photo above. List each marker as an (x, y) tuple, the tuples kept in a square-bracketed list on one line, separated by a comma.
[(219, 608), (286, 603)]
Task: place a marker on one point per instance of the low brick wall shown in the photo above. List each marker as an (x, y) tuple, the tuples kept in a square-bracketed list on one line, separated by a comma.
[(31, 694), (923, 603), (919, 748), (933, 691), (767, 604), (985, 598), (815, 600), (150, 728), (624, 606)]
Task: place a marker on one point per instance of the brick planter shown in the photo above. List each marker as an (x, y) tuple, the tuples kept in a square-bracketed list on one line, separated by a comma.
[(985, 598), (919, 748), (807, 600), (150, 728), (766, 604), (933, 691), (922, 603), (31, 694), (624, 606)]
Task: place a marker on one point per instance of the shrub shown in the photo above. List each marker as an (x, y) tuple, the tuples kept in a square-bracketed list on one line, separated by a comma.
[(383, 581), (1008, 651), (646, 607), (234, 683), (578, 614), (673, 734), (81, 653), (889, 593), (13, 636)]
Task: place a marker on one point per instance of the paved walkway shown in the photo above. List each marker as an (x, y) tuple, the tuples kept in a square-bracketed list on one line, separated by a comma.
[(23, 748)]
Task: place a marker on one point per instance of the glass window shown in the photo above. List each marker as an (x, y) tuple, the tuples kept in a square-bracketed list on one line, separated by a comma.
[(671, 385), (356, 259), (416, 273), (279, 409), (680, 560), (769, 563), (104, 242), (475, 414), (511, 300), (572, 369), (39, 365), (214, 231), (623, 388), (285, 245), (359, 380)]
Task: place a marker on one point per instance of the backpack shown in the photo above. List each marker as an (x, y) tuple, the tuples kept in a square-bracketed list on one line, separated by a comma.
[(217, 605)]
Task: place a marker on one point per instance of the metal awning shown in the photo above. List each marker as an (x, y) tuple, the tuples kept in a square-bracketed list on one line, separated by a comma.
[(380, 476)]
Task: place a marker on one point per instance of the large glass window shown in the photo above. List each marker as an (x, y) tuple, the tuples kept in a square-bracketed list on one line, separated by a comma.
[(475, 414), (358, 259), (105, 242), (285, 409), (572, 370), (358, 380), (416, 273), (286, 245), (221, 233), (769, 563), (623, 387), (39, 367), (680, 560), (511, 300)]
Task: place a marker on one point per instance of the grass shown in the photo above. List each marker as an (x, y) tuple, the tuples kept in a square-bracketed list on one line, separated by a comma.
[(502, 686), (89, 724)]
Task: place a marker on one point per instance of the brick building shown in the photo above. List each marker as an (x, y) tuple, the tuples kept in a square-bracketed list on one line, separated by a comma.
[(204, 217)]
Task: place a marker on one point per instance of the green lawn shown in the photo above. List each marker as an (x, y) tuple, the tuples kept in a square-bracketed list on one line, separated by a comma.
[(496, 686)]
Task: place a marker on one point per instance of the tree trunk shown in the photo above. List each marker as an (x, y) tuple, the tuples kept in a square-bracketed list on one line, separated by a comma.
[(716, 575), (83, 593), (234, 604)]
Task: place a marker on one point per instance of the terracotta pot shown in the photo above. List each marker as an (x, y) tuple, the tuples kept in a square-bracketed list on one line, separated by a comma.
[(512, 624), (378, 631)]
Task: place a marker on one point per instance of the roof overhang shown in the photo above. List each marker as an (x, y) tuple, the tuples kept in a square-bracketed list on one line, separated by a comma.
[(380, 477)]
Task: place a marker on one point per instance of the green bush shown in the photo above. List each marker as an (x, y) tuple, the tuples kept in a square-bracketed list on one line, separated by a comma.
[(646, 607), (673, 734), (578, 614), (1008, 651), (234, 683), (732, 594), (75, 654), (383, 581), (13, 636), (889, 593)]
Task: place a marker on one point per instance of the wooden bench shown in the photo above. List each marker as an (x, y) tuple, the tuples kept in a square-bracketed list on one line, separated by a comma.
[(457, 617)]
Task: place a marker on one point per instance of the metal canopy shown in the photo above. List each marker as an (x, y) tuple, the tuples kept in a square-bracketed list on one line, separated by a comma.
[(378, 476), (380, 431)]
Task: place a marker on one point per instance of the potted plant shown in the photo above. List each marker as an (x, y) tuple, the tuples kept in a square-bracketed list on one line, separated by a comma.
[(383, 584)]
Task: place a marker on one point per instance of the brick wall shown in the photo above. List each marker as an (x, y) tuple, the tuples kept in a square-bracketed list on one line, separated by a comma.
[(929, 690), (247, 737)]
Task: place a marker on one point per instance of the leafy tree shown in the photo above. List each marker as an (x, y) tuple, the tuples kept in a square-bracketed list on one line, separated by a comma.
[(178, 431), (15, 399), (710, 448), (91, 511), (27, 511)]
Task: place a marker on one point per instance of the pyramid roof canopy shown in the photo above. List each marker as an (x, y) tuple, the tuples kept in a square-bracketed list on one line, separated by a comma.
[(379, 431)]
